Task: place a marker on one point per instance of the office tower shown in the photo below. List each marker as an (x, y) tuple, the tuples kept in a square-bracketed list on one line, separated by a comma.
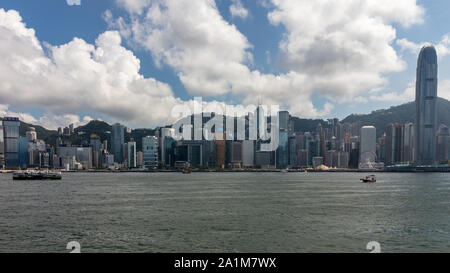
[(140, 159), (96, 145), (11, 126), (71, 128), (236, 154), (60, 131), (164, 134), (23, 152), (262, 159), (292, 151), (394, 144), (282, 153), (443, 144), (150, 150), (426, 114), (302, 158), (117, 141), (220, 149), (248, 153), (31, 134), (2, 148), (408, 143), (169, 151), (131, 154), (368, 147)]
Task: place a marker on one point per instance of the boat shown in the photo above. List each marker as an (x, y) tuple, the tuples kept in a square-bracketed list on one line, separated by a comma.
[(369, 179), (37, 175)]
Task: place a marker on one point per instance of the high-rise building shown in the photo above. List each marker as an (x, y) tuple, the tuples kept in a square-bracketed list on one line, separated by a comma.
[(443, 144), (426, 114), (2, 148), (394, 144), (220, 149), (23, 152), (368, 147), (96, 145), (132, 154), (150, 150), (117, 141), (164, 134), (282, 153), (236, 154), (11, 126), (408, 143), (248, 153)]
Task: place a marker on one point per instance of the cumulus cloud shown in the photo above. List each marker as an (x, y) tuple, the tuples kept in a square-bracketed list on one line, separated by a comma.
[(77, 77), (442, 47), (73, 2), (237, 9), (339, 49)]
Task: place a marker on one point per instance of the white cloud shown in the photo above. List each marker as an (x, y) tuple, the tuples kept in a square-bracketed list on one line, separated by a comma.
[(237, 9), (73, 2), (339, 49), (442, 47), (77, 77)]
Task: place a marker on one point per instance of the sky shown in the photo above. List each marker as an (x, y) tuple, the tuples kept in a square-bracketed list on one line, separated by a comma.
[(133, 61)]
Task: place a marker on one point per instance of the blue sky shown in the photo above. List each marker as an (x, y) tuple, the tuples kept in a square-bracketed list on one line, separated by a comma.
[(56, 23)]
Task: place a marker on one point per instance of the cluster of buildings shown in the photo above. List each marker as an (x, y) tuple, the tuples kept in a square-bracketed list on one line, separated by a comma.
[(332, 144)]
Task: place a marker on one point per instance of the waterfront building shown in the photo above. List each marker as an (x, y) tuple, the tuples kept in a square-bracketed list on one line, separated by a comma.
[(408, 143), (394, 144), (282, 153), (23, 152), (150, 152), (117, 141), (302, 158), (236, 154), (97, 146), (2, 148), (368, 147), (220, 149), (426, 114), (262, 159), (131, 154), (248, 153), (140, 159), (443, 144), (11, 126), (165, 133)]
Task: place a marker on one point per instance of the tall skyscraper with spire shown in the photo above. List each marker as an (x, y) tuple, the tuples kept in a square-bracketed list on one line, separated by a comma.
[(426, 112)]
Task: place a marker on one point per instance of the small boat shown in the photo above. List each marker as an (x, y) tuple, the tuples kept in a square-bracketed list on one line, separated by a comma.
[(187, 171), (37, 175), (369, 179)]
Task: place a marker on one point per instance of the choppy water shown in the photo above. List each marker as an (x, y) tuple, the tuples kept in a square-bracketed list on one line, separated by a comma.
[(226, 212)]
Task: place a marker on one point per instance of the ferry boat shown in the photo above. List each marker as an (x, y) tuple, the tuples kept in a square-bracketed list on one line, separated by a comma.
[(186, 171), (37, 175), (369, 179)]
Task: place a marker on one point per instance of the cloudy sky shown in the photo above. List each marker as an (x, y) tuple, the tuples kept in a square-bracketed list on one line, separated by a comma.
[(132, 61)]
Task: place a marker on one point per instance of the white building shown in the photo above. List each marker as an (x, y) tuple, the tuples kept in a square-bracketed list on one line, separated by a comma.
[(368, 149)]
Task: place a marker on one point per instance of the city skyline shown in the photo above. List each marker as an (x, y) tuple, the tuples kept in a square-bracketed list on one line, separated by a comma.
[(260, 59)]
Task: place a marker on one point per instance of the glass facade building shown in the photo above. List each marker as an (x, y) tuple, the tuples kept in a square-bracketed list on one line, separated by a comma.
[(117, 141), (150, 151), (426, 114), (11, 139)]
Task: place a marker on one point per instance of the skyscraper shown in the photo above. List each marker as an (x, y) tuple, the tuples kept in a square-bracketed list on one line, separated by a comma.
[(426, 114), (11, 135), (2, 148), (368, 148), (117, 141), (131, 154), (150, 151)]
